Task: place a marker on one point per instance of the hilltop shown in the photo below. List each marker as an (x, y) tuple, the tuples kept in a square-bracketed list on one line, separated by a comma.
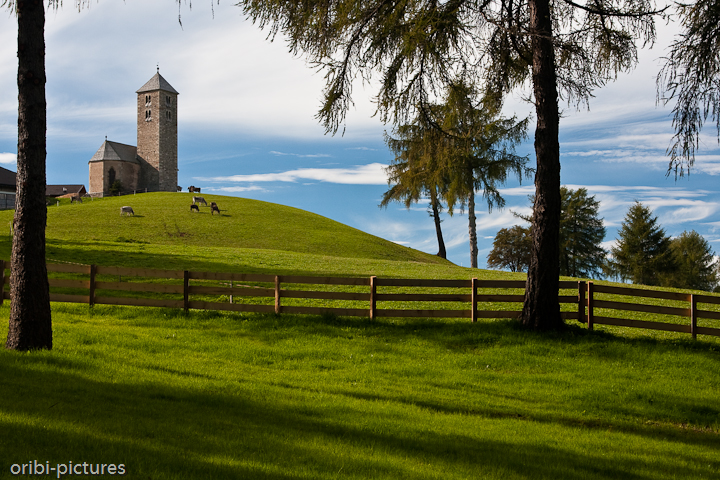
[(251, 234)]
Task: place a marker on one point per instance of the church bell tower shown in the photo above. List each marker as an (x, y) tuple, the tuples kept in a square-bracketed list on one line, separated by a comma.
[(157, 139)]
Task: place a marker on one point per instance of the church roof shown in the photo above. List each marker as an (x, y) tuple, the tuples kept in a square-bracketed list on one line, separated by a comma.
[(7, 177), (115, 151), (157, 82)]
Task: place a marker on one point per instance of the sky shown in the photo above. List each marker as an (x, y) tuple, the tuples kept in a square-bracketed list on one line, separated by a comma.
[(247, 126)]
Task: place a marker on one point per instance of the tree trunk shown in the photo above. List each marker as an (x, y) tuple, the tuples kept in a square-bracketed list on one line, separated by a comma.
[(472, 230), (30, 323), (541, 310), (434, 204)]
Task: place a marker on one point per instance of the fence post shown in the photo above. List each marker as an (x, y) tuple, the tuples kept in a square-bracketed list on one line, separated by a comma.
[(473, 299), (2, 281), (231, 289), (590, 305), (186, 290), (93, 270), (581, 300), (693, 316), (373, 301), (277, 293)]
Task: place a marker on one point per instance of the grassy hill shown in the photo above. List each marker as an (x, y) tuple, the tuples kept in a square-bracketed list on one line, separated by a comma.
[(250, 235)]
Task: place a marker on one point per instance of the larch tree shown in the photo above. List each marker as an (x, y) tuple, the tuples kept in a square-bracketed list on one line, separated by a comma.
[(478, 152), (562, 48), (415, 173), (30, 325), (454, 149), (690, 78)]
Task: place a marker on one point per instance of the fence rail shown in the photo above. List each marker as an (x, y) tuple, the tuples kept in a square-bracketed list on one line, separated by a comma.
[(371, 297)]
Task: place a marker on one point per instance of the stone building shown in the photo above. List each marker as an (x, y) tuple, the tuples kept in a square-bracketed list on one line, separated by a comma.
[(152, 165)]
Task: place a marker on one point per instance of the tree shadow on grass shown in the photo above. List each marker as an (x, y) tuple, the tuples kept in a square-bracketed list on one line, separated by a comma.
[(160, 431), (110, 255)]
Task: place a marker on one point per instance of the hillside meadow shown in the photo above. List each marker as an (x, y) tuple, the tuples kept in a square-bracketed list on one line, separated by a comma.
[(227, 395)]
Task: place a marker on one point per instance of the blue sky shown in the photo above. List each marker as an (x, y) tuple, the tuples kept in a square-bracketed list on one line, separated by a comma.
[(247, 126)]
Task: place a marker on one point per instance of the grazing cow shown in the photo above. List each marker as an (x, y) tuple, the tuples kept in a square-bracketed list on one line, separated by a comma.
[(128, 210), (194, 207), (75, 198), (199, 200), (193, 189), (179, 188), (214, 208)]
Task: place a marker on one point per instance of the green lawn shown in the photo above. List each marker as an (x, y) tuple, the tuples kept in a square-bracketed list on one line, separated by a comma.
[(228, 396), (212, 395)]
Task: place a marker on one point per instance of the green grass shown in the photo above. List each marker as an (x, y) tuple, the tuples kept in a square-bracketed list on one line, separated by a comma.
[(164, 221), (214, 395), (227, 396)]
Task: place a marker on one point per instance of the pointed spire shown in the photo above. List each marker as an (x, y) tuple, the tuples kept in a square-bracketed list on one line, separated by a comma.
[(157, 82)]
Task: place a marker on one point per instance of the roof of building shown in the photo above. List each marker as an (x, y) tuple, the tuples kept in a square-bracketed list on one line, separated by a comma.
[(59, 190), (115, 151), (157, 82), (7, 177)]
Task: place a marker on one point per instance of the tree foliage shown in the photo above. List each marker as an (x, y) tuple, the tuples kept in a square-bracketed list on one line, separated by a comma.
[(691, 78), (562, 48), (642, 254), (581, 234), (511, 249), (414, 174), (695, 262), (456, 149)]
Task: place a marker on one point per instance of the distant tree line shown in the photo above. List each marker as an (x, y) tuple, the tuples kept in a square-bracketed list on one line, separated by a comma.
[(643, 254)]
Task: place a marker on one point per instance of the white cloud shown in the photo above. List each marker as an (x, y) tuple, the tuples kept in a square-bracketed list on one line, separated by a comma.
[(8, 158), (312, 155), (372, 174), (236, 189)]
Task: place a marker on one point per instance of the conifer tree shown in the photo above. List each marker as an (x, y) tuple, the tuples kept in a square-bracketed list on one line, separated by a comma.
[(581, 233), (642, 254), (414, 173), (455, 149)]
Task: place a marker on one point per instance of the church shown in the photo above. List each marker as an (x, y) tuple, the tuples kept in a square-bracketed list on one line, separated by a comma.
[(150, 166)]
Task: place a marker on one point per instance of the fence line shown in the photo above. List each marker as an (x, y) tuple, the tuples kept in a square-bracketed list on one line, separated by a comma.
[(470, 291)]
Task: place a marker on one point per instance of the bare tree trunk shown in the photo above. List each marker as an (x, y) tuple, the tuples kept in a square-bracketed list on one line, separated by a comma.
[(541, 310), (472, 230), (434, 204), (30, 322)]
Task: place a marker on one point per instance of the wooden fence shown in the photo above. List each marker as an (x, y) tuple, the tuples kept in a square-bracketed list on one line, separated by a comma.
[(371, 297)]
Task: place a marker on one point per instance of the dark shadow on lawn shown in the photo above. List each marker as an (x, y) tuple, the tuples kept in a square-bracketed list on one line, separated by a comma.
[(77, 252), (159, 431)]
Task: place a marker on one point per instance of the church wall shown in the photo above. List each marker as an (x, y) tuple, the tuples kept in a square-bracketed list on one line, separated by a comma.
[(95, 186), (128, 174)]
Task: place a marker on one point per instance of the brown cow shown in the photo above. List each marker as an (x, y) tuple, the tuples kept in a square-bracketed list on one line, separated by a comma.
[(214, 208)]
